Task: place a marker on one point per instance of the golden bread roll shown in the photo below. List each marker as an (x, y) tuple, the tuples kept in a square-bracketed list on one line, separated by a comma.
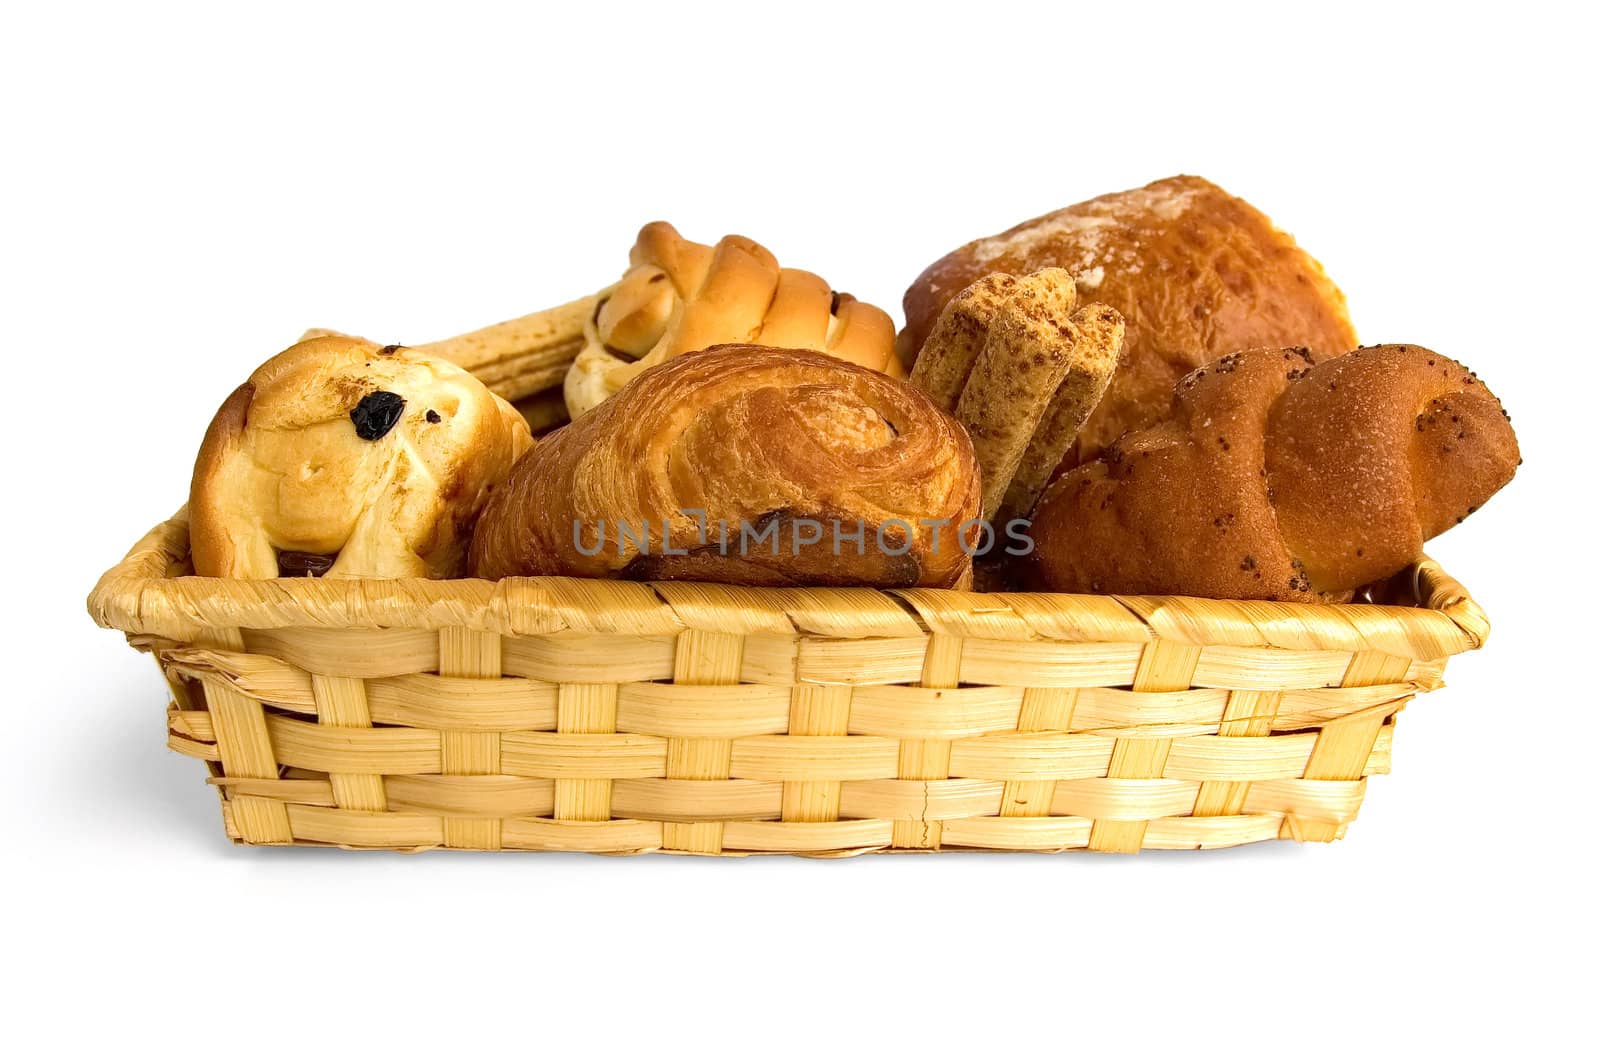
[(679, 296), (1279, 476), (1195, 273), (340, 458), (734, 464)]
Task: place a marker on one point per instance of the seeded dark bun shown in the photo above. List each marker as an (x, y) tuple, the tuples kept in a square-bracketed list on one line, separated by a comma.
[(1279, 476)]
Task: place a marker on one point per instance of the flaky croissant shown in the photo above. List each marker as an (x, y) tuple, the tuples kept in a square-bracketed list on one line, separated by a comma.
[(746, 465), (1278, 476), (680, 296)]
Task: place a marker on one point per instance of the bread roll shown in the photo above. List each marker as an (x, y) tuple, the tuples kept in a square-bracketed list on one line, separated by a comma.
[(343, 459), (1195, 272), (760, 449), (681, 296), (1279, 476)]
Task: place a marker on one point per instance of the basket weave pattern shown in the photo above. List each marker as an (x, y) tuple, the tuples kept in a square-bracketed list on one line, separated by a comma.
[(604, 716)]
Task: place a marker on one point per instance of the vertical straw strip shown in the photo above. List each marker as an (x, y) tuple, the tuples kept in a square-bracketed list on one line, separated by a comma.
[(585, 709), (1044, 709), (1343, 746), (929, 759), (468, 653), (1164, 666), (1247, 713), (816, 709), (341, 702), (701, 658), (245, 749)]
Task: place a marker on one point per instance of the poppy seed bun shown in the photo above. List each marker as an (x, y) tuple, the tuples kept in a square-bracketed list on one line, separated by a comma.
[(1280, 476)]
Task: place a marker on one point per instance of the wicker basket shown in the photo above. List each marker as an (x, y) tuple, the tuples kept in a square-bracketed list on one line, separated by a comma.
[(561, 714)]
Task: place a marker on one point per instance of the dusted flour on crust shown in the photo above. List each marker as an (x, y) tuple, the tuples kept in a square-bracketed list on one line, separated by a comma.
[(1196, 273)]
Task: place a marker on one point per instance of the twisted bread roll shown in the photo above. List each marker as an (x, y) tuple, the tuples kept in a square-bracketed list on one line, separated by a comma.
[(1280, 477), (343, 459), (780, 443), (681, 296), (1196, 273)]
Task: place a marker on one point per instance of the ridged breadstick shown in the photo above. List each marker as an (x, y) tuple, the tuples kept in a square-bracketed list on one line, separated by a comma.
[(525, 355), (946, 360), (1096, 342), (515, 358), (1025, 357)]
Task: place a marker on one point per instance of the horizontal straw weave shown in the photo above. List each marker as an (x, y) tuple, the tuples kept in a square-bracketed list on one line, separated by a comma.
[(615, 717)]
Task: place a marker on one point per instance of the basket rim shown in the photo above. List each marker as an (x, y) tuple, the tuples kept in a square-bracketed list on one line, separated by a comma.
[(144, 594)]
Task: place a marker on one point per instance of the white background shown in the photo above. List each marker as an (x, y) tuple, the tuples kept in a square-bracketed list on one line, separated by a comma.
[(186, 189)]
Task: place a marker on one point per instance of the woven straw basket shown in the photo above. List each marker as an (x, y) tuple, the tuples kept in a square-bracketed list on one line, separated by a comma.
[(614, 717)]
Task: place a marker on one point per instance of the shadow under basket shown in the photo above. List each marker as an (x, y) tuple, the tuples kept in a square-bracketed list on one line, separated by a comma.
[(614, 717)]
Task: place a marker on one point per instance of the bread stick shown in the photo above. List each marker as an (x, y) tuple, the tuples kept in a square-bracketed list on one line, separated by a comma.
[(515, 358), (525, 355), (1096, 342), (1024, 359), (946, 360)]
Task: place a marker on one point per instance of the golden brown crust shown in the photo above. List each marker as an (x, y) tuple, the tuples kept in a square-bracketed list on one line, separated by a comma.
[(210, 551), (1376, 452), (285, 468), (1280, 477), (1195, 272), (679, 296), (752, 437)]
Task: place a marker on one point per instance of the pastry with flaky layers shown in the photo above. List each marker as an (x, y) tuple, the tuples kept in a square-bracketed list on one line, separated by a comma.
[(744, 465)]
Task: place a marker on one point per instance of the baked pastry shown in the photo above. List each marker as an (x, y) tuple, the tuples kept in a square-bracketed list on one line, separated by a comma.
[(525, 355), (1022, 367), (1279, 476), (1196, 274), (343, 459), (744, 465), (516, 358), (680, 296)]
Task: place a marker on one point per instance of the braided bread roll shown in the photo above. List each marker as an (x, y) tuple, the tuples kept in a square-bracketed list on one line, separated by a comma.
[(1278, 476), (743, 436), (681, 296)]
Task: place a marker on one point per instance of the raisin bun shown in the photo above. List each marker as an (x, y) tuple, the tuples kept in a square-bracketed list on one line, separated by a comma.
[(340, 458)]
